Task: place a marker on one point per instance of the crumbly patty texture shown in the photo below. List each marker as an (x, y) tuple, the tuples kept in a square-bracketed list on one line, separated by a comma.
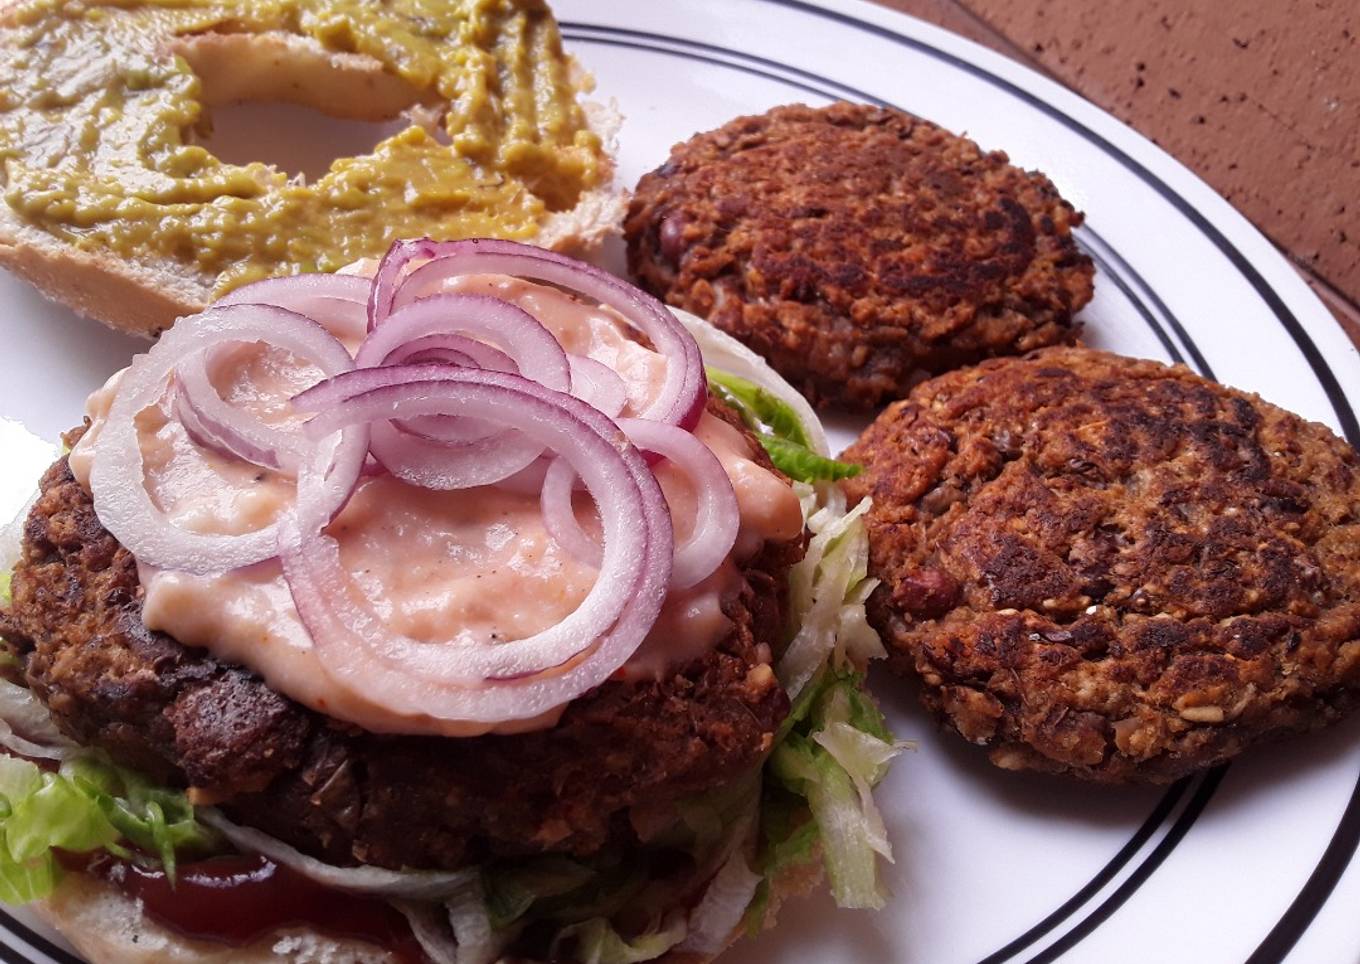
[(1113, 568), (345, 795), (857, 247)]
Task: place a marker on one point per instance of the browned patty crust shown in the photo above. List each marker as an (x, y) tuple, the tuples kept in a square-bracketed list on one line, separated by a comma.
[(340, 793), (1112, 568), (856, 247)]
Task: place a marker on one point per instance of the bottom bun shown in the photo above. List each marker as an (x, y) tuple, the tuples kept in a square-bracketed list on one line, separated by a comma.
[(107, 927)]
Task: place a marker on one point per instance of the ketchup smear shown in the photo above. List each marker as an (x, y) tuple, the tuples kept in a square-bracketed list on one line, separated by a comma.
[(239, 900)]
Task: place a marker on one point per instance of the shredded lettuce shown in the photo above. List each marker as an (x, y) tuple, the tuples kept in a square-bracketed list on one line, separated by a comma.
[(832, 756), (595, 941), (827, 590), (89, 804), (834, 746), (512, 891), (778, 429)]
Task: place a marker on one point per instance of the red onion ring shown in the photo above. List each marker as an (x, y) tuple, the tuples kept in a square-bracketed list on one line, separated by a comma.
[(117, 477), (597, 384), (419, 461), (479, 680), (717, 515), (478, 353), (457, 453), (338, 301), (685, 391), (225, 427), (529, 480), (537, 354), (450, 350)]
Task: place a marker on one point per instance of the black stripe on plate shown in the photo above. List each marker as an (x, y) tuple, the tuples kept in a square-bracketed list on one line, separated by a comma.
[(1286, 932), (1136, 879), (1106, 874), (1200, 363), (649, 42), (36, 940), (1107, 269), (12, 956)]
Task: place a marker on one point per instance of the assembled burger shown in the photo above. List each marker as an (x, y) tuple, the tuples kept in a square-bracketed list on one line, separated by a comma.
[(480, 609)]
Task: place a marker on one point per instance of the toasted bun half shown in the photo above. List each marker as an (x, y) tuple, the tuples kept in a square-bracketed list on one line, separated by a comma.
[(144, 294), (108, 927)]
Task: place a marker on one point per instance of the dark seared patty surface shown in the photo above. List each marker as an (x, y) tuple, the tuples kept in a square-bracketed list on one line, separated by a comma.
[(347, 795), (1113, 568), (857, 247)]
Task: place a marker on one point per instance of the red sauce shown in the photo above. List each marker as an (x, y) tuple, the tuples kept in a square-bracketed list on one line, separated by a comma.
[(239, 900)]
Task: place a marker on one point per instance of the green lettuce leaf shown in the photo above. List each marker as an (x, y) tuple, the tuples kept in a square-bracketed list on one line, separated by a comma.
[(153, 819), (512, 891), (827, 591), (88, 805), (801, 463), (778, 429), (595, 941), (837, 747)]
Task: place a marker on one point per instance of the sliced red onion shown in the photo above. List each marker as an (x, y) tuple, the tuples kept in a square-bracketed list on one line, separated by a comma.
[(559, 514), (117, 476), (597, 384), (685, 391), (223, 426), (338, 301), (529, 480), (717, 517), (478, 354), (536, 353), (450, 350), (384, 288), (420, 461), (478, 680), (532, 351), (438, 356)]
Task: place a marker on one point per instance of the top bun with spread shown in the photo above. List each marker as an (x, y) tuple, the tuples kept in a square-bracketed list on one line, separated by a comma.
[(111, 206)]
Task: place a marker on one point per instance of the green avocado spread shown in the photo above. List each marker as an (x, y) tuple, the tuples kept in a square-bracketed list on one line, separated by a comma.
[(99, 114)]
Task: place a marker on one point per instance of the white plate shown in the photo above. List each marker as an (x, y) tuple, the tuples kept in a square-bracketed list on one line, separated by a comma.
[(1247, 863)]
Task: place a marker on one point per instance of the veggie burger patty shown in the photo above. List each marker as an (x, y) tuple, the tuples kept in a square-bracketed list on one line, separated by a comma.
[(1110, 567), (345, 795), (856, 247)]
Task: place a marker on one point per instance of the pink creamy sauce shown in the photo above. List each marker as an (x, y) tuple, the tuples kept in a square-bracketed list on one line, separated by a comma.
[(441, 567)]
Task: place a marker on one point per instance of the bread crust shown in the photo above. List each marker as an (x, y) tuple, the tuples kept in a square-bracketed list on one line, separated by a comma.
[(141, 297), (107, 927)]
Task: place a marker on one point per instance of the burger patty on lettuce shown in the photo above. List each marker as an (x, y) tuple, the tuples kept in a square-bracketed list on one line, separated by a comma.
[(180, 716)]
